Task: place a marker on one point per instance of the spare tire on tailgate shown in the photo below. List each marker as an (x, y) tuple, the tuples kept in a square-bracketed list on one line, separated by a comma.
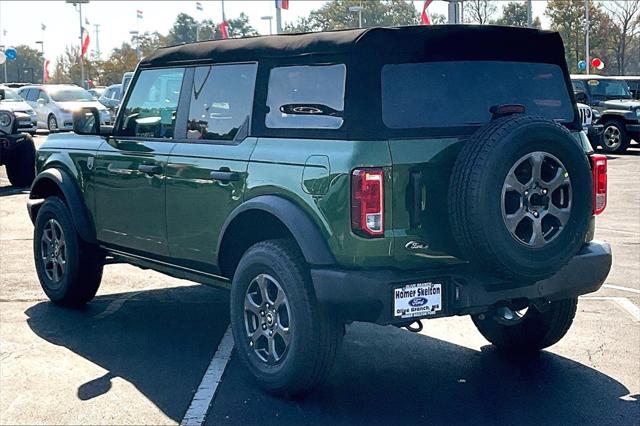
[(520, 197)]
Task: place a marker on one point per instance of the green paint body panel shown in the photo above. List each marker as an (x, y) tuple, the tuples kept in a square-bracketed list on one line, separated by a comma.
[(197, 206), (179, 212)]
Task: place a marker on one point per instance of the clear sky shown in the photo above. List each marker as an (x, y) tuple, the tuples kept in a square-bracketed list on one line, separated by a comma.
[(22, 19)]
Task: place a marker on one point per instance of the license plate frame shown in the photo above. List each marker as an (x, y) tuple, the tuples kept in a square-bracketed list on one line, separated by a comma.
[(418, 299)]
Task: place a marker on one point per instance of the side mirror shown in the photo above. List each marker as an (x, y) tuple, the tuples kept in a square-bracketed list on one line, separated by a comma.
[(2, 94), (581, 97), (42, 101), (86, 121)]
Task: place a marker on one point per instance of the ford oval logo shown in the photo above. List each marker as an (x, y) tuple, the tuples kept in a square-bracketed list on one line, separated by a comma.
[(418, 301)]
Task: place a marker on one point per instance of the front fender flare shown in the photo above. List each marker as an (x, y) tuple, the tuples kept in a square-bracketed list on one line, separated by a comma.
[(312, 243), (72, 198)]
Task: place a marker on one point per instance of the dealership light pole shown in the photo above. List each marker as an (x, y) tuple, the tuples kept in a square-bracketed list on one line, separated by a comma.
[(78, 6), (359, 10), (586, 18), (268, 18), (41, 43)]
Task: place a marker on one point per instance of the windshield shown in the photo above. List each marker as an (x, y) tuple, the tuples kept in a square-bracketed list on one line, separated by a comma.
[(71, 94), (11, 96), (609, 89)]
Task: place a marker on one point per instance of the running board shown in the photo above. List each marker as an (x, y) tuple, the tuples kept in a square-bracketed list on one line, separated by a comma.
[(176, 271)]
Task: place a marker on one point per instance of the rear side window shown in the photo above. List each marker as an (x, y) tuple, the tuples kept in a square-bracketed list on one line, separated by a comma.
[(221, 101), (306, 97), (460, 93), (150, 111)]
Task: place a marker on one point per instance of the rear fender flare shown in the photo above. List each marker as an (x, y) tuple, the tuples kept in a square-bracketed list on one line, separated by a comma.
[(308, 236)]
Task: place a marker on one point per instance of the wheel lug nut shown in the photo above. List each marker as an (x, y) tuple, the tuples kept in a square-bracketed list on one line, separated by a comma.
[(544, 191), (264, 326), (270, 333), (262, 313), (535, 214)]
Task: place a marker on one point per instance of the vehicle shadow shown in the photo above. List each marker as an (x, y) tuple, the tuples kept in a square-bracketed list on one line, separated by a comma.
[(387, 376), (161, 341), (12, 190)]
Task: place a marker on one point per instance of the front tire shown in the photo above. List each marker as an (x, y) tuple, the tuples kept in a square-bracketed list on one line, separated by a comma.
[(283, 336), (615, 138), (535, 330), (69, 269)]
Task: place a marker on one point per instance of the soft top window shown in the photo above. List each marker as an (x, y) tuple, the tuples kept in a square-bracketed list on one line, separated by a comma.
[(461, 93), (306, 97)]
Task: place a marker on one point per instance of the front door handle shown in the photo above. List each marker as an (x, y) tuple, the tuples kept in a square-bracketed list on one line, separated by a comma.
[(150, 169), (225, 176)]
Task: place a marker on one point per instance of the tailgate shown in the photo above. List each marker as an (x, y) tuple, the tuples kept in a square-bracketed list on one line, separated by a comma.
[(421, 173)]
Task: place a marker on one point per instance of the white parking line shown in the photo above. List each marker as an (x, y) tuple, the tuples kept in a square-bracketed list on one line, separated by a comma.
[(621, 288), (623, 302), (201, 401)]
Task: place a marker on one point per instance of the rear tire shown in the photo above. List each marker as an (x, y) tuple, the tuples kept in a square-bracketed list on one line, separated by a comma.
[(69, 269), (535, 331), (21, 164), (615, 138), (313, 334)]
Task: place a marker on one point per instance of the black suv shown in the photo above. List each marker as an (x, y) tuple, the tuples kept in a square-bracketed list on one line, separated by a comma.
[(618, 111)]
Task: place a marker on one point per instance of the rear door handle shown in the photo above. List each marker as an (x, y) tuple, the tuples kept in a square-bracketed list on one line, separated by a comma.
[(225, 176), (150, 169)]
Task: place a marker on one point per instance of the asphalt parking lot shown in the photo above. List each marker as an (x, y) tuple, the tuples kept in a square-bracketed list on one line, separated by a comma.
[(138, 353)]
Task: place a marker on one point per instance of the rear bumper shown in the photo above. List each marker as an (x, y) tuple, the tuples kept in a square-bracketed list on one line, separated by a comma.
[(368, 295)]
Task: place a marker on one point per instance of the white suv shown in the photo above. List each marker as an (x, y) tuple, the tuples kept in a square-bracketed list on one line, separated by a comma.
[(54, 105)]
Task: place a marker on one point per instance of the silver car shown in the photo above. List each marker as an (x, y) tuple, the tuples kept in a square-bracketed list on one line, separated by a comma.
[(10, 100), (54, 105)]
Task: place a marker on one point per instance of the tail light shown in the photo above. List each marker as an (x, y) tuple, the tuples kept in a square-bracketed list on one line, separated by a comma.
[(367, 202), (599, 171)]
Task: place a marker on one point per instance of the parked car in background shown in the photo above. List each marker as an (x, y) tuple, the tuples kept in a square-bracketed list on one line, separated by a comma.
[(54, 105), (619, 112), (17, 151), (111, 98), (97, 91), (10, 100)]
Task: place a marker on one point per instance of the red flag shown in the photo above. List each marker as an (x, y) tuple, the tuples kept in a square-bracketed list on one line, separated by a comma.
[(85, 41), (45, 71), (425, 16), (223, 27)]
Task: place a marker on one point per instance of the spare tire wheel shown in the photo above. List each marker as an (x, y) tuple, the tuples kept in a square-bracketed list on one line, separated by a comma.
[(520, 197)]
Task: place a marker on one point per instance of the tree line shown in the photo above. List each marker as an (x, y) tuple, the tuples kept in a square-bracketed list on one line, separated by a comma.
[(614, 29)]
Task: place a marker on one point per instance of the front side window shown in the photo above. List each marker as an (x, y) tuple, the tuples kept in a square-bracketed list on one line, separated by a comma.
[(150, 111), (221, 101), (461, 93), (306, 97)]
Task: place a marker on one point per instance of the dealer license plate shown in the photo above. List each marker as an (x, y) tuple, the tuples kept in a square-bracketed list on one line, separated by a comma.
[(417, 300)]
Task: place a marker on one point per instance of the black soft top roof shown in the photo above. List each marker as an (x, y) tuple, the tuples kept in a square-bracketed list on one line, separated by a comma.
[(437, 42)]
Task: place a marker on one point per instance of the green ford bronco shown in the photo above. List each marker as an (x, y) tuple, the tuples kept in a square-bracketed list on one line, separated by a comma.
[(386, 175)]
